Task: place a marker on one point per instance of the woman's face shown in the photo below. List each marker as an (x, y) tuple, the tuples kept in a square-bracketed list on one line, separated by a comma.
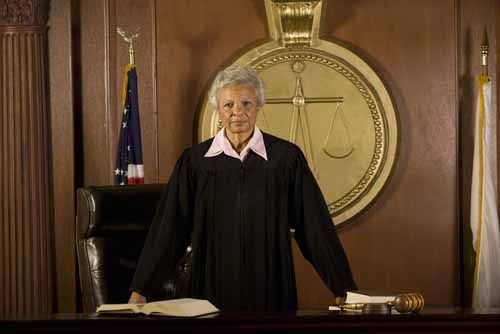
[(238, 108)]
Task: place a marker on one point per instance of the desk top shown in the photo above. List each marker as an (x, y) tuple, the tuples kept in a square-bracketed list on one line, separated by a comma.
[(431, 319)]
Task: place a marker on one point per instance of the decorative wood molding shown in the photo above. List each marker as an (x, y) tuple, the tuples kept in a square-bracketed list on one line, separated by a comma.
[(26, 218), (23, 12)]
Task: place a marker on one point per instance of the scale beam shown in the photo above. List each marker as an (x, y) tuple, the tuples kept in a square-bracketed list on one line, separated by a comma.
[(307, 100)]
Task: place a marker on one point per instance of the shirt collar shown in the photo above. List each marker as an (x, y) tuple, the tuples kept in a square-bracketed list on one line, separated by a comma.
[(221, 144)]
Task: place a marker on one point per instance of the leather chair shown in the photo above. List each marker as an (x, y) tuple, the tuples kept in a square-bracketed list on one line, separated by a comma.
[(111, 226)]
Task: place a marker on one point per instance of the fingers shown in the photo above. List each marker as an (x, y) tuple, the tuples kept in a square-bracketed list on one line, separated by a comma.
[(136, 298), (339, 300)]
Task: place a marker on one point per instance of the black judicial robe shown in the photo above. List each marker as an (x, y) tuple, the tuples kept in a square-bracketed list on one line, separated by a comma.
[(237, 217)]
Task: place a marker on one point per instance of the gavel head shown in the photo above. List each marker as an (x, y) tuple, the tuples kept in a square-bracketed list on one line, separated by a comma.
[(409, 302)]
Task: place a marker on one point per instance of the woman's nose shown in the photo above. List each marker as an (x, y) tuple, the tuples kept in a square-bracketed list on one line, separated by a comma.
[(237, 109)]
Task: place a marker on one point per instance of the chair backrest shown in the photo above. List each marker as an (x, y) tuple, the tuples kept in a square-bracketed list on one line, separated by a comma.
[(111, 226)]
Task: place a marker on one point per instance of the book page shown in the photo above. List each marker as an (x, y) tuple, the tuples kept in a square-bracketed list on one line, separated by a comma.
[(356, 297), (184, 307), (119, 308)]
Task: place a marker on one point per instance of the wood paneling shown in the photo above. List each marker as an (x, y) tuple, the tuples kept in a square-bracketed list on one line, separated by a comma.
[(95, 145), (194, 39), (424, 50), (26, 258), (60, 43), (408, 239), (103, 59)]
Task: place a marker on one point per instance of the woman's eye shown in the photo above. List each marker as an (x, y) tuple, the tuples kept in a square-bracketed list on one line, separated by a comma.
[(228, 105), (247, 104)]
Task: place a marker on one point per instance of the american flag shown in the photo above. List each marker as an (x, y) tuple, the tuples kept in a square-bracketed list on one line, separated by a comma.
[(129, 164)]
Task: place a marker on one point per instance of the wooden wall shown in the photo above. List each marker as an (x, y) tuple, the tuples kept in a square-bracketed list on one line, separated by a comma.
[(410, 239), (63, 101)]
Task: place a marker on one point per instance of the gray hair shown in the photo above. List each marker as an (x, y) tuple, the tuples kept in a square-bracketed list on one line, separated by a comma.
[(237, 75)]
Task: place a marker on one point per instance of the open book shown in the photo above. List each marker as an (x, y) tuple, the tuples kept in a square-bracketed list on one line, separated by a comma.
[(358, 297), (184, 307), (364, 298)]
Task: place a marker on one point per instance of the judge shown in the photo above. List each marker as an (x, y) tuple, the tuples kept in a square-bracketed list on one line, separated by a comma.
[(234, 198)]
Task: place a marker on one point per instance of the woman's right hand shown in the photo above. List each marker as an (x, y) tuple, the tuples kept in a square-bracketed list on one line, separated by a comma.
[(137, 298)]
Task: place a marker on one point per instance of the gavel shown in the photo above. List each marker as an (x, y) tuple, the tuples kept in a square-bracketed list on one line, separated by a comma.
[(403, 303)]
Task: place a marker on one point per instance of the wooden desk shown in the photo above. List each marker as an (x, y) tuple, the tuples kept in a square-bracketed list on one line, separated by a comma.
[(431, 320)]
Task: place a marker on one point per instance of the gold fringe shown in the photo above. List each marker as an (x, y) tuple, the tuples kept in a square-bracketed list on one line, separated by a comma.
[(125, 82)]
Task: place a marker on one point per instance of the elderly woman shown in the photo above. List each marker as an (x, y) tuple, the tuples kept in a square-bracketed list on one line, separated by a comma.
[(234, 198)]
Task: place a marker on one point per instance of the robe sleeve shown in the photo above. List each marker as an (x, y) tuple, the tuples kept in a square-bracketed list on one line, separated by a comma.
[(315, 233), (170, 231)]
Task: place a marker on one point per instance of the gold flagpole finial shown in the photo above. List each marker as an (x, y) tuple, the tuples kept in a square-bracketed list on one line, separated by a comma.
[(484, 54), (129, 38)]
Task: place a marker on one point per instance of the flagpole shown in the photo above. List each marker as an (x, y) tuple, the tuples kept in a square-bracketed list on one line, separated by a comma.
[(484, 54)]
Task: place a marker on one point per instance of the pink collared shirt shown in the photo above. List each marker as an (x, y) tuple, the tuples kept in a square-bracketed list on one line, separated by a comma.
[(221, 144)]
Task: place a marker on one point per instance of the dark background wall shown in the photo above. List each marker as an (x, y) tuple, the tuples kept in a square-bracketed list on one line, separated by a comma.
[(427, 51)]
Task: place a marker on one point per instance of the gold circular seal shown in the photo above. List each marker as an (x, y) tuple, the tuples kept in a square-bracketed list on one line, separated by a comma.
[(334, 106)]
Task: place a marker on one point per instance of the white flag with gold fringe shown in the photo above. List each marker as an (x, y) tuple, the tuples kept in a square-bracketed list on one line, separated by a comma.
[(484, 214)]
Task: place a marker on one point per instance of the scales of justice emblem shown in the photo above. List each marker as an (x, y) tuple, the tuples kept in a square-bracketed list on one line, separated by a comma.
[(327, 100)]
